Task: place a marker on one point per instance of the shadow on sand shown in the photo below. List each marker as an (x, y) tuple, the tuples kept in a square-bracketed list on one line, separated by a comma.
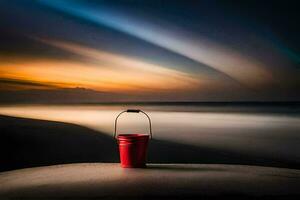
[(29, 143)]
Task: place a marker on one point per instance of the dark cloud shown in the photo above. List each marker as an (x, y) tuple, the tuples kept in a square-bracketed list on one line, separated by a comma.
[(18, 84), (17, 46), (21, 82)]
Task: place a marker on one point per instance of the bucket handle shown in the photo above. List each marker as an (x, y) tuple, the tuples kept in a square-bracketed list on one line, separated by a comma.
[(133, 111)]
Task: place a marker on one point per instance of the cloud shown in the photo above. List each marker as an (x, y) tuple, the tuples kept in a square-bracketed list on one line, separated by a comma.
[(7, 84), (243, 69), (103, 71)]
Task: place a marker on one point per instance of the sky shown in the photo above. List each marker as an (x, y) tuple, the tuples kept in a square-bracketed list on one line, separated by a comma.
[(155, 50)]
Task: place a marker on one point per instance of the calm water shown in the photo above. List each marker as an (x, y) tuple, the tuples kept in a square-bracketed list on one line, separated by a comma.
[(271, 132)]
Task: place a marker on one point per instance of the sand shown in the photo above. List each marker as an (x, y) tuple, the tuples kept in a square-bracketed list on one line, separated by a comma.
[(28, 143), (158, 180)]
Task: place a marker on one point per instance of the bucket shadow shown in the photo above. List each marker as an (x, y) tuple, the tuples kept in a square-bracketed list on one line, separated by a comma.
[(185, 168), (161, 151), (29, 143)]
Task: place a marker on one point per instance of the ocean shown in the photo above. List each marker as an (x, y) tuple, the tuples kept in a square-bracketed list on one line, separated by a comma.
[(265, 131)]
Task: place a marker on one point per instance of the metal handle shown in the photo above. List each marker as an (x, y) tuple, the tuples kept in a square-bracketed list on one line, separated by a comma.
[(133, 111)]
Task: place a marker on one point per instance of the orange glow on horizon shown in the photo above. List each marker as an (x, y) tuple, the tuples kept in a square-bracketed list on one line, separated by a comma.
[(105, 72)]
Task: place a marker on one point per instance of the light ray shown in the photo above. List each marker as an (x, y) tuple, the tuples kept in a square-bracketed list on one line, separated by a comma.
[(243, 69)]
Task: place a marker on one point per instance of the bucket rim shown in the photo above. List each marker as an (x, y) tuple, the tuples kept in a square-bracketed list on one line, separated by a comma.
[(135, 136)]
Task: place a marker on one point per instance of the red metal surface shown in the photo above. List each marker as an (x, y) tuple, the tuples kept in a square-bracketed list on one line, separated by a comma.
[(133, 150)]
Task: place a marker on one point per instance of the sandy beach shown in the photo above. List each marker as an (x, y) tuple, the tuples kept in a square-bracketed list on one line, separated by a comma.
[(74, 155), (30, 143), (170, 181)]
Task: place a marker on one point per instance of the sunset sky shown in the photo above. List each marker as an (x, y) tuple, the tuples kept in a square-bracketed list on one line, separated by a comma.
[(151, 50)]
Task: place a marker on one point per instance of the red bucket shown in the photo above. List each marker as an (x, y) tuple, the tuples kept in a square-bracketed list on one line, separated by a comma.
[(133, 147)]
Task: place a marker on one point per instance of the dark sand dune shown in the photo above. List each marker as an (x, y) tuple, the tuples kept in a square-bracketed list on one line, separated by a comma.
[(29, 143)]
